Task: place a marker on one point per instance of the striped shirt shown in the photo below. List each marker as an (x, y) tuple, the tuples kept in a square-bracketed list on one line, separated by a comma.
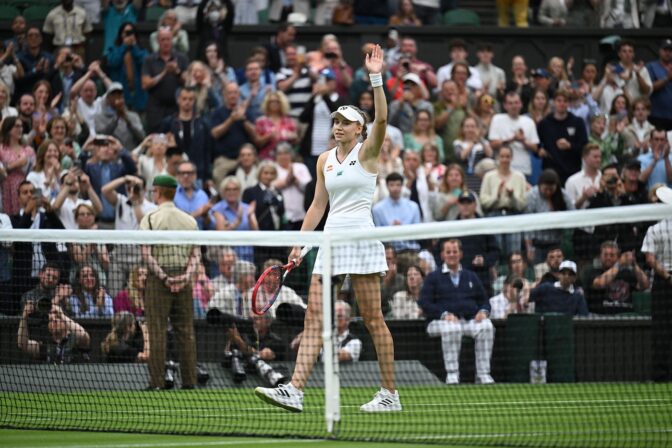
[(300, 91), (658, 241)]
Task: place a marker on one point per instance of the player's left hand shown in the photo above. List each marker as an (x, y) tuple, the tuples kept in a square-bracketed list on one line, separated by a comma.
[(374, 61)]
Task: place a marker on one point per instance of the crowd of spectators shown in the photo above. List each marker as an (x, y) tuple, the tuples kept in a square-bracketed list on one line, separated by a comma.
[(83, 137)]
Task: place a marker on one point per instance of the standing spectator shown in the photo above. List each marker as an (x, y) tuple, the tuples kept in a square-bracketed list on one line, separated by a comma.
[(231, 213), (484, 111), (451, 187), (614, 14), (293, 177), (214, 20), (340, 67), (199, 79), (277, 47), (503, 193), (418, 185), (191, 132), (404, 110), (457, 49), (116, 120), (519, 9), (317, 116), (562, 135), (170, 20), (448, 116), (68, 199), (17, 160), (10, 71), (423, 133), (170, 271), (548, 196), (220, 72), (657, 162), (610, 285), (431, 160), (68, 69), (634, 77), (275, 125), (18, 38), (657, 249), (295, 80), (203, 290), (232, 125), (561, 296), (69, 25), (124, 61), (111, 160), (660, 72), (519, 81), (89, 104), (248, 164), (516, 131), (539, 107), (114, 15), (411, 64), (132, 298), (46, 173), (553, 13), (152, 158), (636, 134), (36, 61), (161, 77), (470, 149), (90, 300), (492, 77), (428, 11), (254, 88), (269, 204), (404, 304), (190, 198), (455, 304), (610, 141)]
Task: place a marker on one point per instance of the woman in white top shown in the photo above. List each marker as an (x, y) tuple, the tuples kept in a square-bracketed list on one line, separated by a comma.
[(346, 181), (404, 304), (47, 171)]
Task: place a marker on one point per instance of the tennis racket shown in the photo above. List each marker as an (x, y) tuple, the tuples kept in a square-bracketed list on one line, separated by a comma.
[(269, 284)]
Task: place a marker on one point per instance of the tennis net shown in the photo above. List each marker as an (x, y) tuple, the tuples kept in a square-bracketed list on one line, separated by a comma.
[(545, 334)]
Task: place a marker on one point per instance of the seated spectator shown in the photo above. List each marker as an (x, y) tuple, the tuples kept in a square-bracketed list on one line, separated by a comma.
[(470, 148), (418, 185), (128, 341), (190, 198), (275, 125), (170, 21), (389, 162), (423, 133), (37, 63), (116, 120), (561, 296), (190, 132), (293, 177), (220, 72), (466, 96), (253, 88), (610, 285), (548, 196), (229, 299), (609, 195), (202, 290), (17, 160), (520, 82), (286, 294), (88, 253), (226, 259), (62, 132), (59, 344), (431, 160), (404, 304), (49, 289), (559, 77), (517, 269), (45, 107), (269, 205), (657, 163), (231, 213), (510, 300), (75, 186), (124, 62), (89, 300), (549, 270), (114, 14), (46, 174), (10, 71), (348, 345), (405, 15), (553, 13), (132, 298), (636, 134), (539, 107), (455, 304), (403, 111), (295, 80), (248, 166), (393, 281), (396, 210), (610, 142), (151, 160)]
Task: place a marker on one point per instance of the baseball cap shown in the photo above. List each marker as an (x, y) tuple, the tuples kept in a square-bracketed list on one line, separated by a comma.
[(541, 72), (412, 77), (633, 164), (466, 196), (114, 87), (666, 43), (349, 113), (567, 264)]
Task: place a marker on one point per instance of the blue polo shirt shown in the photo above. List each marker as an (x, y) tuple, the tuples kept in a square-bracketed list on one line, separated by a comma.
[(244, 252), (658, 175), (190, 205), (403, 210), (661, 98)]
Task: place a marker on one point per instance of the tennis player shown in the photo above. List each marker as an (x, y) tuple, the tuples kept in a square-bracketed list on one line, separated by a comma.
[(346, 180)]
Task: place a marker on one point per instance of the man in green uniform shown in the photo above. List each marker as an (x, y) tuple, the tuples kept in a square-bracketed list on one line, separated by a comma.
[(168, 286)]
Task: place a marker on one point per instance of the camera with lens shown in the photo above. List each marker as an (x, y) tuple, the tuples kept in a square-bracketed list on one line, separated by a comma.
[(266, 371), (612, 180), (68, 58), (233, 360), (136, 189), (330, 55)]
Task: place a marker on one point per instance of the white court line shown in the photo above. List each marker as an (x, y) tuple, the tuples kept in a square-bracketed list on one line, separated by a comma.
[(529, 434), (185, 443)]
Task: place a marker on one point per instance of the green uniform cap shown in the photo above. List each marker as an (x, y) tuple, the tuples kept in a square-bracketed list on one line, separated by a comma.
[(163, 180)]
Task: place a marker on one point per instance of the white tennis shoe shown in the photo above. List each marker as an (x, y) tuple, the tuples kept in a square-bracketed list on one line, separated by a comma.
[(383, 401), (285, 396)]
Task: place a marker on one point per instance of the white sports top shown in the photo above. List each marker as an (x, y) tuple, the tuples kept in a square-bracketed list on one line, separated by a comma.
[(350, 189)]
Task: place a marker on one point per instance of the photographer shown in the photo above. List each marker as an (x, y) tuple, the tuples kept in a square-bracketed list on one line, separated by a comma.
[(115, 119), (48, 289), (63, 334), (128, 341), (75, 184), (510, 300)]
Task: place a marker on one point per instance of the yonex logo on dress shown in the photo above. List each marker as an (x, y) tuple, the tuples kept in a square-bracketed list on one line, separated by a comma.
[(353, 162)]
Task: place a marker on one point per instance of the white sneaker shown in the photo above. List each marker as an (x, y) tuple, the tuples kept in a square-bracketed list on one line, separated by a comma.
[(383, 401), (285, 396), (453, 378), (484, 379)]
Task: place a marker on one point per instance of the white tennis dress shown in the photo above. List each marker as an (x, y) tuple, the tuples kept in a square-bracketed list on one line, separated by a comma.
[(351, 189)]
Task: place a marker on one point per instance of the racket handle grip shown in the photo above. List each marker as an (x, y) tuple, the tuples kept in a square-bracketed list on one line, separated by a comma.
[(305, 250)]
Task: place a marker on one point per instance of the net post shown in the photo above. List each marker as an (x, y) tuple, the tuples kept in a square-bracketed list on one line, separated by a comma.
[(331, 384)]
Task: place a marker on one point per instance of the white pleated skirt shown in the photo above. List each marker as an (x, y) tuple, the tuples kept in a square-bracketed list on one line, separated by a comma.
[(360, 257)]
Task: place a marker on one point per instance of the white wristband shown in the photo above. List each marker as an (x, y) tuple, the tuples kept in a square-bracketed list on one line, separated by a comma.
[(376, 79)]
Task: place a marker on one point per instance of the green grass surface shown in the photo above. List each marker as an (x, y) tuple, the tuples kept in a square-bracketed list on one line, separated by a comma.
[(576, 415)]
